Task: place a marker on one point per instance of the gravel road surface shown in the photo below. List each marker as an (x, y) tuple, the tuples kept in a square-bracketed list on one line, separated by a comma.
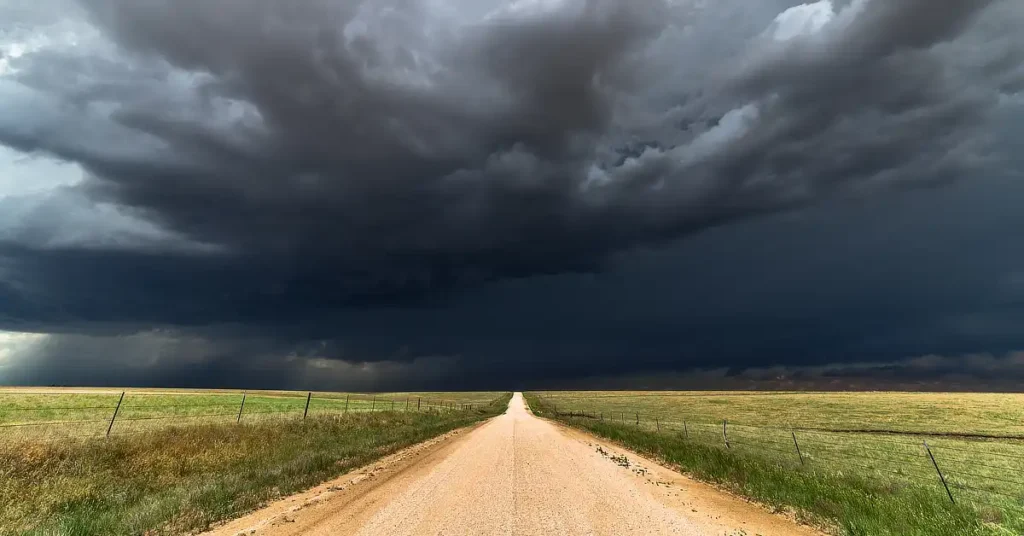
[(513, 475)]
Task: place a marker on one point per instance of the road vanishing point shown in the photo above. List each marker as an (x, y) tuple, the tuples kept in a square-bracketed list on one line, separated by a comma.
[(515, 474)]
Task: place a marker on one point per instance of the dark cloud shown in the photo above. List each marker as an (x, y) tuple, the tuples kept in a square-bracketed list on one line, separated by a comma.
[(353, 171), (161, 358), (969, 372)]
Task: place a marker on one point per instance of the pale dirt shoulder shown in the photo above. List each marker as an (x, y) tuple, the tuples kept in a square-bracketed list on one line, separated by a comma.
[(347, 503), (291, 515), (713, 510)]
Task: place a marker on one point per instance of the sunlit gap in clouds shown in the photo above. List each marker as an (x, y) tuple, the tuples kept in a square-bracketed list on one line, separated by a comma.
[(14, 344)]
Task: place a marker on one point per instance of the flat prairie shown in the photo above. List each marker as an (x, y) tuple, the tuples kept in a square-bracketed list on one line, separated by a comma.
[(889, 445), (176, 461), (77, 412)]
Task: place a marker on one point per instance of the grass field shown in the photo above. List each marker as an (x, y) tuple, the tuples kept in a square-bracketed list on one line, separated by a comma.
[(177, 466), (60, 413), (862, 468)]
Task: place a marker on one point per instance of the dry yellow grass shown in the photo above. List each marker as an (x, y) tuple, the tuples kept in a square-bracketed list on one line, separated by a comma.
[(182, 475), (976, 438), (984, 414), (61, 413)]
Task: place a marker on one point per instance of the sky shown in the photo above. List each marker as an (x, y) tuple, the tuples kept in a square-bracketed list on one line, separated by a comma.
[(497, 194)]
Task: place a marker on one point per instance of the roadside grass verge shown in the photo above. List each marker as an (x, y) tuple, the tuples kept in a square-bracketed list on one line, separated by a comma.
[(983, 415), (841, 501), (61, 413), (181, 479)]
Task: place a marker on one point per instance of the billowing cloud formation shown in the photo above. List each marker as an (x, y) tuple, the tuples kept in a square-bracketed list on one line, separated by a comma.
[(267, 163)]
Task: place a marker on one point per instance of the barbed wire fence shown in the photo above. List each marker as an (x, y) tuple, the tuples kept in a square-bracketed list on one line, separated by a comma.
[(987, 472), (54, 415)]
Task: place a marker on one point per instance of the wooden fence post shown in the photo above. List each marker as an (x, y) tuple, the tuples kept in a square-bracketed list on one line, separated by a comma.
[(373, 403), (240, 408), (114, 416), (657, 423), (418, 400), (725, 436), (638, 419), (937, 470), (309, 396), (797, 445), (686, 433), (346, 403), (407, 404)]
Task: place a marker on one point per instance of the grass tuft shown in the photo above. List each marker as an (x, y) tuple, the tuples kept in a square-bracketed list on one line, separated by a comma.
[(179, 479)]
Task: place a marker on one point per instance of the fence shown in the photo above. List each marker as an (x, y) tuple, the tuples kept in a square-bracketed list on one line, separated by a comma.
[(60, 414), (987, 472)]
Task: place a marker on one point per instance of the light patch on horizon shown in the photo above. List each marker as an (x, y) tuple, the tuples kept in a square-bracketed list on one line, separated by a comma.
[(13, 343)]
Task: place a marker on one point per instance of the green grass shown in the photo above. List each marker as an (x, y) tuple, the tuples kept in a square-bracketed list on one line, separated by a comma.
[(864, 468), (176, 478), (984, 414), (61, 413)]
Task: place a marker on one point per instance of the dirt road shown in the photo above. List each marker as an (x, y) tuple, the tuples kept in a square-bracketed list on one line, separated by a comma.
[(514, 475)]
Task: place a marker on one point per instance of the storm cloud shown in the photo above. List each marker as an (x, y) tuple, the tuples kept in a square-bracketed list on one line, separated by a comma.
[(318, 170)]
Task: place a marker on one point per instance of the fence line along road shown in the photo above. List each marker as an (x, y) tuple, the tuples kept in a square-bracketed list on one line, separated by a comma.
[(986, 473), (58, 415)]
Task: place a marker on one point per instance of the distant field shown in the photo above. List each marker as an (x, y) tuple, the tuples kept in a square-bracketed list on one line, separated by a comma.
[(929, 413), (876, 438), (82, 412), (177, 461)]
